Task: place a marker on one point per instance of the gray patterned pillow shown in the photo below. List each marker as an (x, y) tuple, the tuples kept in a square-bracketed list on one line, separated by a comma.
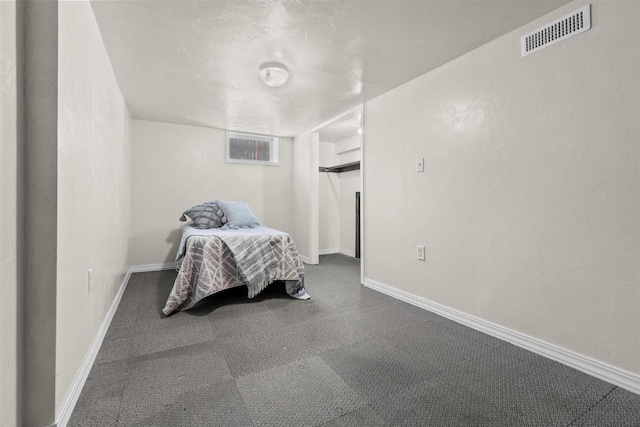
[(206, 215)]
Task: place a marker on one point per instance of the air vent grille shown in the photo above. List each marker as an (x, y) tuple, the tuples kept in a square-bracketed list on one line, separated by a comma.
[(560, 29)]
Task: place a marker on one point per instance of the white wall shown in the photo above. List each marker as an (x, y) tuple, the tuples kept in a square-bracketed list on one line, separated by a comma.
[(529, 205), (348, 144), (337, 197), (94, 189), (11, 212), (306, 189), (348, 149), (329, 201), (176, 167), (40, 89), (349, 184)]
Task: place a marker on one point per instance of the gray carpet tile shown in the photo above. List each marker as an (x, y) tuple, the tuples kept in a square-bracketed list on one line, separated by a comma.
[(99, 402), (314, 309), (152, 290), (132, 294), (339, 279), (364, 416), (249, 353), (350, 356), (218, 405), (422, 313), (113, 350), (153, 333), (331, 332), (550, 367), (386, 317), (234, 323), (618, 408), (470, 332), (122, 325), (158, 322), (537, 396), (302, 393), (124, 320), (158, 379), (152, 301), (346, 296), (374, 368), (526, 355), (155, 278), (441, 348), (438, 402), (340, 276), (159, 340)]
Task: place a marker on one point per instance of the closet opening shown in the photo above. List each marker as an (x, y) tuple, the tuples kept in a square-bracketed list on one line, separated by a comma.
[(340, 185)]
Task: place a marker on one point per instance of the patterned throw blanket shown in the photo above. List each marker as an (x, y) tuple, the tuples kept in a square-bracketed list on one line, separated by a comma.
[(254, 258), (208, 265)]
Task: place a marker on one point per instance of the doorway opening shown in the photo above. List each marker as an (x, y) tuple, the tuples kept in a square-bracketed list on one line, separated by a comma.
[(340, 185)]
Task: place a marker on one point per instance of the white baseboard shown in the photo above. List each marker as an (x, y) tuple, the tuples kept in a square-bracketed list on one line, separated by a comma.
[(72, 397), (332, 251), (152, 267), (305, 259), (347, 252), (328, 251), (81, 378), (596, 368)]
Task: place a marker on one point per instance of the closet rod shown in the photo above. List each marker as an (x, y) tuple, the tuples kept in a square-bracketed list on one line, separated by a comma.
[(346, 167)]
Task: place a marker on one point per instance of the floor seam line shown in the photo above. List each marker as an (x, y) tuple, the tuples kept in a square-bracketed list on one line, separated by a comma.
[(592, 406)]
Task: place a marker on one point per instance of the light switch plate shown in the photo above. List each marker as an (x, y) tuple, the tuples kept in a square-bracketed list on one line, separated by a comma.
[(421, 255), (420, 164)]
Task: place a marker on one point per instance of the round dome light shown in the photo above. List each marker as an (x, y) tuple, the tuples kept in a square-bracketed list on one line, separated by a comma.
[(274, 74)]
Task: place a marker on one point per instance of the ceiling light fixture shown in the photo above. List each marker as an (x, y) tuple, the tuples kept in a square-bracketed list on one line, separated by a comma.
[(274, 74)]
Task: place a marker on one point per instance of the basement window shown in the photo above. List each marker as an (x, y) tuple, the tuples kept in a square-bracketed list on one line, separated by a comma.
[(252, 148)]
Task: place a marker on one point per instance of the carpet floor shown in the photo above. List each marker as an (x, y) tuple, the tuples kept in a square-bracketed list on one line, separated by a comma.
[(349, 356)]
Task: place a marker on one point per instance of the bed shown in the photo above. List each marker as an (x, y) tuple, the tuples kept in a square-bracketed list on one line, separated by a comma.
[(214, 259)]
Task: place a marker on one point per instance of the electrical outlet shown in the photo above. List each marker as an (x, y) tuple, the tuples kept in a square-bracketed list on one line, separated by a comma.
[(89, 279), (420, 164), (421, 256)]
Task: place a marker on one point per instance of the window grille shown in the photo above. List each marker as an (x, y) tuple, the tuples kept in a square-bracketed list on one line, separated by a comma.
[(252, 148)]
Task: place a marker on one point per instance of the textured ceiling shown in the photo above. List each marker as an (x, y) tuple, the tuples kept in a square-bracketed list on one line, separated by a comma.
[(341, 128), (197, 62)]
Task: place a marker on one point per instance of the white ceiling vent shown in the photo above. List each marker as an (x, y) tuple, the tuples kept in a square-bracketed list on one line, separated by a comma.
[(560, 29)]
